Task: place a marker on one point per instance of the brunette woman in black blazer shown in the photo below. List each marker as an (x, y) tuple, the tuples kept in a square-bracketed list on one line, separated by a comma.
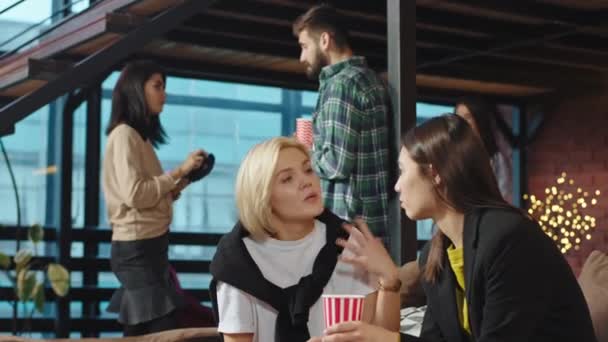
[(489, 272)]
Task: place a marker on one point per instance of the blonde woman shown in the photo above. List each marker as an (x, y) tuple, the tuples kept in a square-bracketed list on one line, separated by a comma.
[(271, 269)]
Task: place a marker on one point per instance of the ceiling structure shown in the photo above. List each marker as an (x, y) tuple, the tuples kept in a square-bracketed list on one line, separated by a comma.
[(514, 49)]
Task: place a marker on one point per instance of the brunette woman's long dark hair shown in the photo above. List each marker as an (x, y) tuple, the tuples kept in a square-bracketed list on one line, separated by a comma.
[(449, 144), (129, 104)]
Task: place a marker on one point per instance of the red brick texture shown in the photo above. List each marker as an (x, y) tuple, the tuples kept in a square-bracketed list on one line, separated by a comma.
[(574, 139)]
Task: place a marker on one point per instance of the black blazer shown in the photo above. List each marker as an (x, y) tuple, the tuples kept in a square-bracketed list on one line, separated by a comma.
[(518, 286)]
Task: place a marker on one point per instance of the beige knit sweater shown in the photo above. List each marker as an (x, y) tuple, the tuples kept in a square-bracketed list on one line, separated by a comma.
[(137, 193)]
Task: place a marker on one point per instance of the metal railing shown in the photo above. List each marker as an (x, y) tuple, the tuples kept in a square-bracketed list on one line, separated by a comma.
[(55, 20)]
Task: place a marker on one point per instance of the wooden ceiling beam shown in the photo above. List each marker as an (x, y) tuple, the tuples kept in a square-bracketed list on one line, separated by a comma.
[(537, 78), (265, 38), (217, 71), (251, 43), (532, 13)]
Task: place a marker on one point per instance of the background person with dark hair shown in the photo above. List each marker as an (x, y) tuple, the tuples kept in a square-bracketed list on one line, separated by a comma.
[(139, 199), (481, 115), (350, 135)]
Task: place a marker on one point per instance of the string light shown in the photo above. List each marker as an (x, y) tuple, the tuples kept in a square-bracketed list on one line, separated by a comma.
[(561, 215)]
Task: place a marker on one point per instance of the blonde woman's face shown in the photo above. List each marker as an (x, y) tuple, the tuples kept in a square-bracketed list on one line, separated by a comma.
[(296, 189)]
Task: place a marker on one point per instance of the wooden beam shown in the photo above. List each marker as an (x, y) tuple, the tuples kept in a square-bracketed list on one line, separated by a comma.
[(437, 29), (35, 73), (533, 13), (479, 87), (98, 32), (47, 69), (258, 27), (538, 78), (364, 11), (262, 12), (447, 47), (437, 19), (229, 73), (258, 42), (448, 96)]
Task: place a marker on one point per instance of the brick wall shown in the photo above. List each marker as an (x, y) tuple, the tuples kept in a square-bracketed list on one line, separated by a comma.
[(574, 139)]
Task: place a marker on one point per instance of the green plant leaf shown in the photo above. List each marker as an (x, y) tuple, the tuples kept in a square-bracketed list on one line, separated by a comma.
[(39, 297), (26, 281), (59, 278), (35, 233), (5, 261), (22, 257)]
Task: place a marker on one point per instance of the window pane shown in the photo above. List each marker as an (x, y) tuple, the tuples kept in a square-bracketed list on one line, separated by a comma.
[(79, 5), (77, 249), (425, 229), (103, 306), (194, 280), (27, 152), (208, 206), (78, 166), (76, 279), (40, 249), (309, 98), (6, 309), (107, 280), (223, 90), (30, 11), (425, 111), (19, 19), (75, 309)]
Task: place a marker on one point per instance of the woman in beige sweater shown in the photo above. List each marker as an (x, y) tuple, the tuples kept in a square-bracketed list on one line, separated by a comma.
[(139, 198)]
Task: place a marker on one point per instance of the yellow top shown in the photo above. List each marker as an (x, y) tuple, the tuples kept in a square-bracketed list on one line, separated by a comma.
[(456, 257)]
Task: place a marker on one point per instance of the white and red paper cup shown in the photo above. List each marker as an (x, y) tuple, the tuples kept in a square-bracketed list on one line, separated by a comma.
[(304, 131), (342, 308)]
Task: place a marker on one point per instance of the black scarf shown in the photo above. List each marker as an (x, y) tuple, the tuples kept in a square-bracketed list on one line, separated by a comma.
[(233, 265)]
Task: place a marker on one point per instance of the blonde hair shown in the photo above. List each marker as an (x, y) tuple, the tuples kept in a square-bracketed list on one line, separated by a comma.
[(254, 184)]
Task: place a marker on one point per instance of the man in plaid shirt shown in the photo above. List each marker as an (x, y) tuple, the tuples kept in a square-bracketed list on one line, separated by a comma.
[(350, 124)]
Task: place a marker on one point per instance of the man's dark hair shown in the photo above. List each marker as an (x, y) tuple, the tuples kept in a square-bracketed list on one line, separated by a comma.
[(323, 18)]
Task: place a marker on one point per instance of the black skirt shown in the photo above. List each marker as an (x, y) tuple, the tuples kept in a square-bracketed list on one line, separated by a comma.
[(147, 291)]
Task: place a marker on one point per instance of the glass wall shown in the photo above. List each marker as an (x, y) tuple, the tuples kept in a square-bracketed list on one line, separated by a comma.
[(28, 153)]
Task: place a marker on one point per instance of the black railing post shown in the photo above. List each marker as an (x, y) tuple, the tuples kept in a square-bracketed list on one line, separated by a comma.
[(401, 21), (92, 196)]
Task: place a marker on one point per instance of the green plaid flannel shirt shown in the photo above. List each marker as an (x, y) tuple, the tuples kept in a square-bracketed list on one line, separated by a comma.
[(350, 147)]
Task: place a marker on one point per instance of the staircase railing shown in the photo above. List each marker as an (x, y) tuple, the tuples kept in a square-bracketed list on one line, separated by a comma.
[(56, 19)]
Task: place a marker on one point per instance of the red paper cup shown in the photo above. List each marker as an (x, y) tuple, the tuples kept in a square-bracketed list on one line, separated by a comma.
[(304, 131), (342, 308)]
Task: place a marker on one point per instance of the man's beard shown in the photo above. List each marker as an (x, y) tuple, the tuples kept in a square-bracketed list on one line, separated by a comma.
[(314, 69)]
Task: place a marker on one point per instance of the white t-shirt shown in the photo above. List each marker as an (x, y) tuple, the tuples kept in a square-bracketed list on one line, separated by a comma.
[(284, 263)]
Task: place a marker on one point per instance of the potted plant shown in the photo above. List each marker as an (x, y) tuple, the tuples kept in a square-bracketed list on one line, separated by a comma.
[(29, 275)]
